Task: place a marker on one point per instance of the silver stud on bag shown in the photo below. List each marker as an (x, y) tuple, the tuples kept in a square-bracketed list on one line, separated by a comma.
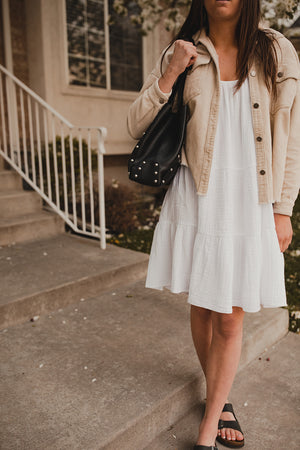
[(163, 181), (136, 175), (137, 146), (171, 169), (155, 173), (140, 168), (132, 159), (156, 164), (144, 162), (155, 181)]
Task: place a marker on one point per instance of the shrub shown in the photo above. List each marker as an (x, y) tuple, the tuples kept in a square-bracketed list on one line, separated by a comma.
[(120, 207)]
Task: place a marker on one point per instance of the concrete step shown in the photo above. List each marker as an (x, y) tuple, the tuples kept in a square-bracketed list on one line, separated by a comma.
[(15, 203), (45, 275), (113, 370), (10, 180), (30, 227), (265, 397)]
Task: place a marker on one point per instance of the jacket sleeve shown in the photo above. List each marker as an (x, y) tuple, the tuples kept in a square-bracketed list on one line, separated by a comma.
[(291, 182), (149, 101)]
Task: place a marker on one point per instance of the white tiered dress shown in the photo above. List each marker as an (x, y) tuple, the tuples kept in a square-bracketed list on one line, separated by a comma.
[(222, 248)]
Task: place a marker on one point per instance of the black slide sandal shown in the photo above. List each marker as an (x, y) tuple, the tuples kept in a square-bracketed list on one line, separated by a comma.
[(230, 424)]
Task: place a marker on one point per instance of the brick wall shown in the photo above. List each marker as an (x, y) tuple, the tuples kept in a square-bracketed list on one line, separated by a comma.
[(19, 47), (1, 36), (18, 37)]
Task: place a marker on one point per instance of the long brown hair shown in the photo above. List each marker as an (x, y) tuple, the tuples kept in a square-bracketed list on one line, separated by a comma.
[(252, 41)]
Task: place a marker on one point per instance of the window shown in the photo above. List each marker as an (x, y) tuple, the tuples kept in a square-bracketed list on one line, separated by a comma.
[(103, 56)]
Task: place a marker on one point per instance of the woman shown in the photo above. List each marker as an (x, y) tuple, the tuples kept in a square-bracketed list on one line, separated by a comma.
[(225, 219)]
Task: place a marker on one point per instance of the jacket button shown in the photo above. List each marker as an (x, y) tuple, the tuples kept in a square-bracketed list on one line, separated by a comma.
[(259, 138), (262, 172), (161, 100), (280, 74), (256, 105)]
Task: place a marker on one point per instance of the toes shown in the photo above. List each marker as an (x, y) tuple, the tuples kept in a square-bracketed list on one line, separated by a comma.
[(228, 434), (222, 432), (225, 433), (239, 436), (233, 435)]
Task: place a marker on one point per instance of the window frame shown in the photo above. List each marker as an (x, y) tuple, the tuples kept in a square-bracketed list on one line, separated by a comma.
[(93, 91)]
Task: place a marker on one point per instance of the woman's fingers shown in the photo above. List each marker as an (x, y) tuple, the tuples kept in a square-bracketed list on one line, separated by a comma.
[(184, 55), (284, 230)]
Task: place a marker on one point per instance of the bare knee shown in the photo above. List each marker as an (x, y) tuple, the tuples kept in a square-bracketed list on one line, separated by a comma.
[(200, 313), (228, 325)]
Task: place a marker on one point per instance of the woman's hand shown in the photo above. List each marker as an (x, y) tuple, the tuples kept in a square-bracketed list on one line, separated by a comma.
[(284, 230), (183, 56)]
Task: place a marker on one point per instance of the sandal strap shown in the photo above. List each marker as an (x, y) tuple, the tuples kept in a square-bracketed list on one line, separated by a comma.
[(228, 407), (229, 424), (205, 447)]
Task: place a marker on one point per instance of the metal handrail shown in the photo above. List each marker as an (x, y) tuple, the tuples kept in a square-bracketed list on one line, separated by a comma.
[(31, 132)]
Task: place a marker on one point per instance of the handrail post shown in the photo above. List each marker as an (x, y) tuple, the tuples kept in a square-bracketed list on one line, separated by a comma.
[(102, 132), (12, 119)]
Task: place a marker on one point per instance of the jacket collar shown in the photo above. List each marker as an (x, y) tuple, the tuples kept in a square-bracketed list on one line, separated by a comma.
[(201, 37), (206, 51)]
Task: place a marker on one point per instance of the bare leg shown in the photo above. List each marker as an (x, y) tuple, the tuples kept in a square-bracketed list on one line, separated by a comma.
[(220, 361), (201, 328)]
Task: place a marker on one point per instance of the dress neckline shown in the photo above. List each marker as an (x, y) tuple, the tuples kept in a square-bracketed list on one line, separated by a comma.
[(229, 81)]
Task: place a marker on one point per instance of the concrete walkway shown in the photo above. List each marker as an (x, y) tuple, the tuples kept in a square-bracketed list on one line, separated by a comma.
[(42, 276), (115, 370), (265, 397)]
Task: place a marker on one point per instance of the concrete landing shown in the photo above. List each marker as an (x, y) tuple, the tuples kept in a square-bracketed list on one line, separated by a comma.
[(112, 371), (265, 397), (41, 276)]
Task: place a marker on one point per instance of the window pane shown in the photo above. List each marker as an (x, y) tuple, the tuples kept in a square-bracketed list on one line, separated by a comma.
[(97, 73), (96, 42), (125, 77), (125, 52), (76, 41), (77, 71), (95, 15), (75, 12)]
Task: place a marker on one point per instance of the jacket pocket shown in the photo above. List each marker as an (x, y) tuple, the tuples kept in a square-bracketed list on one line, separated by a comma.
[(197, 75), (286, 71), (286, 82), (195, 82)]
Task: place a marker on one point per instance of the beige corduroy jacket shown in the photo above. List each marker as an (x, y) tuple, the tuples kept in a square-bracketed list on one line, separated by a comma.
[(276, 125)]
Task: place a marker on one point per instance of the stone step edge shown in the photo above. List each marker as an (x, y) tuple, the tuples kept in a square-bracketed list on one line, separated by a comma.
[(25, 219), (20, 228), (141, 431), (9, 173), (11, 193), (48, 300)]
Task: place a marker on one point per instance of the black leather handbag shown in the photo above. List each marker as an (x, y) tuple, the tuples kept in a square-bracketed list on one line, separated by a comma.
[(157, 155)]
